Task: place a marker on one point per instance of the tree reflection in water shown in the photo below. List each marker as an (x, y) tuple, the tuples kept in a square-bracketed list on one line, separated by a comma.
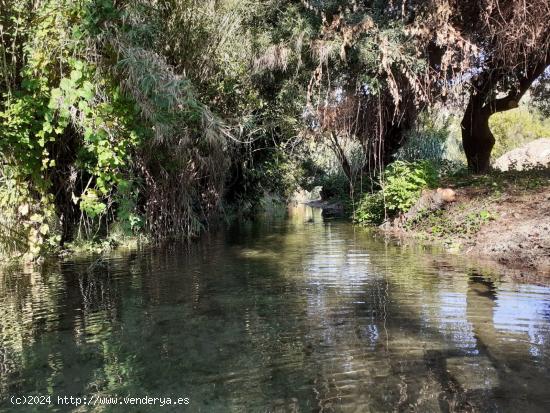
[(279, 315)]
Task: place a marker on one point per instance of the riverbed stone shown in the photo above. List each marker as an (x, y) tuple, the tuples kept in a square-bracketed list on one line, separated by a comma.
[(473, 373)]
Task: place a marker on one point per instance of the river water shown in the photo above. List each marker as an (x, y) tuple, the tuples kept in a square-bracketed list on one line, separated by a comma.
[(279, 315)]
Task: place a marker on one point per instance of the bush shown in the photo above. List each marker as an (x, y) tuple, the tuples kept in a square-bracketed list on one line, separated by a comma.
[(424, 144), (437, 137), (403, 182), (335, 186), (370, 209), (401, 186)]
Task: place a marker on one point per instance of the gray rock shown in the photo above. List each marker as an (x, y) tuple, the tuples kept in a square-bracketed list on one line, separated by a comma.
[(532, 155)]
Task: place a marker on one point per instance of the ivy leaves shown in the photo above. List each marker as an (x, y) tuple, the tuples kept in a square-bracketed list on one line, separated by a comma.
[(105, 127)]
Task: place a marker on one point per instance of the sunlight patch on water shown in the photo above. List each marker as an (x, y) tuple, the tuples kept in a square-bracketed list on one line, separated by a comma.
[(302, 314)]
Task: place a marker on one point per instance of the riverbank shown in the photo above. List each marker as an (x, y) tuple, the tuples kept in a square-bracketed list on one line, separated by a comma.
[(502, 217)]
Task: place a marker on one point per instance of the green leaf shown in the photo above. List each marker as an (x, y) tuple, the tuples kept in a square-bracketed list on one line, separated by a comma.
[(76, 75), (87, 91), (66, 84)]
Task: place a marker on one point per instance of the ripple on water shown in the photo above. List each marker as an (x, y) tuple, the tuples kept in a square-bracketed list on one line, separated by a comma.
[(295, 315)]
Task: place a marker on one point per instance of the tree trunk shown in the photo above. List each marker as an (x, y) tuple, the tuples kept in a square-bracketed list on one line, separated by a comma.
[(64, 151), (477, 138)]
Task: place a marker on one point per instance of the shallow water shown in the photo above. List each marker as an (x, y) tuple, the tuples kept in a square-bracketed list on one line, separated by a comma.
[(278, 315)]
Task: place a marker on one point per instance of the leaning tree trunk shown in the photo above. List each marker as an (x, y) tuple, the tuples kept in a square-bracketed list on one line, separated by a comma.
[(477, 138)]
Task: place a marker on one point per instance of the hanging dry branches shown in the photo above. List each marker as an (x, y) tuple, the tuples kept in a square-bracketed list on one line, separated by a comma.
[(441, 49)]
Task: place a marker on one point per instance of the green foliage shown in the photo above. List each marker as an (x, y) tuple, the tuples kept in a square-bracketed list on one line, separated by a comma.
[(437, 138), (427, 141), (62, 115), (440, 224), (515, 128), (130, 220), (335, 186), (65, 116), (370, 209), (423, 146), (98, 107), (403, 182), (281, 176), (27, 225), (540, 93), (400, 187)]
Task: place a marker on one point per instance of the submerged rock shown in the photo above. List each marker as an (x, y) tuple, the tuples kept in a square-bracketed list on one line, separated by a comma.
[(473, 373)]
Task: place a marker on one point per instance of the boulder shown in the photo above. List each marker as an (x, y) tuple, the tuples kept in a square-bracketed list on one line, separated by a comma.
[(531, 155)]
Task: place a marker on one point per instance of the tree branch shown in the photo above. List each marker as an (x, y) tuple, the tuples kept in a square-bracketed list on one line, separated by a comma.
[(525, 81)]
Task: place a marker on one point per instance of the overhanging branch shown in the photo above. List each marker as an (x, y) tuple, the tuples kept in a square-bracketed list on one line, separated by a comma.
[(525, 81)]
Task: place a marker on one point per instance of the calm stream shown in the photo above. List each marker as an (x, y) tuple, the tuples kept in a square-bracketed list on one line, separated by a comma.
[(281, 315)]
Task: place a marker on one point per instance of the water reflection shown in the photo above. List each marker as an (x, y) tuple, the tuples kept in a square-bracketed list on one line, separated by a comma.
[(279, 315)]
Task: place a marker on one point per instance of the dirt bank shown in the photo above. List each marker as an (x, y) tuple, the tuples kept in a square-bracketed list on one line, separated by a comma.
[(504, 217)]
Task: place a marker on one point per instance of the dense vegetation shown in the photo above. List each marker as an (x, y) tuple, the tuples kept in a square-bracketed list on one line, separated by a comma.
[(124, 118)]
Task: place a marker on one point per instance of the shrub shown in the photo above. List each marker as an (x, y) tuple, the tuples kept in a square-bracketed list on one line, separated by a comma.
[(335, 186), (403, 182), (370, 209), (424, 144), (401, 186)]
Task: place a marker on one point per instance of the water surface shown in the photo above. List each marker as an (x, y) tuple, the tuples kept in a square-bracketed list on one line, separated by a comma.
[(294, 315)]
